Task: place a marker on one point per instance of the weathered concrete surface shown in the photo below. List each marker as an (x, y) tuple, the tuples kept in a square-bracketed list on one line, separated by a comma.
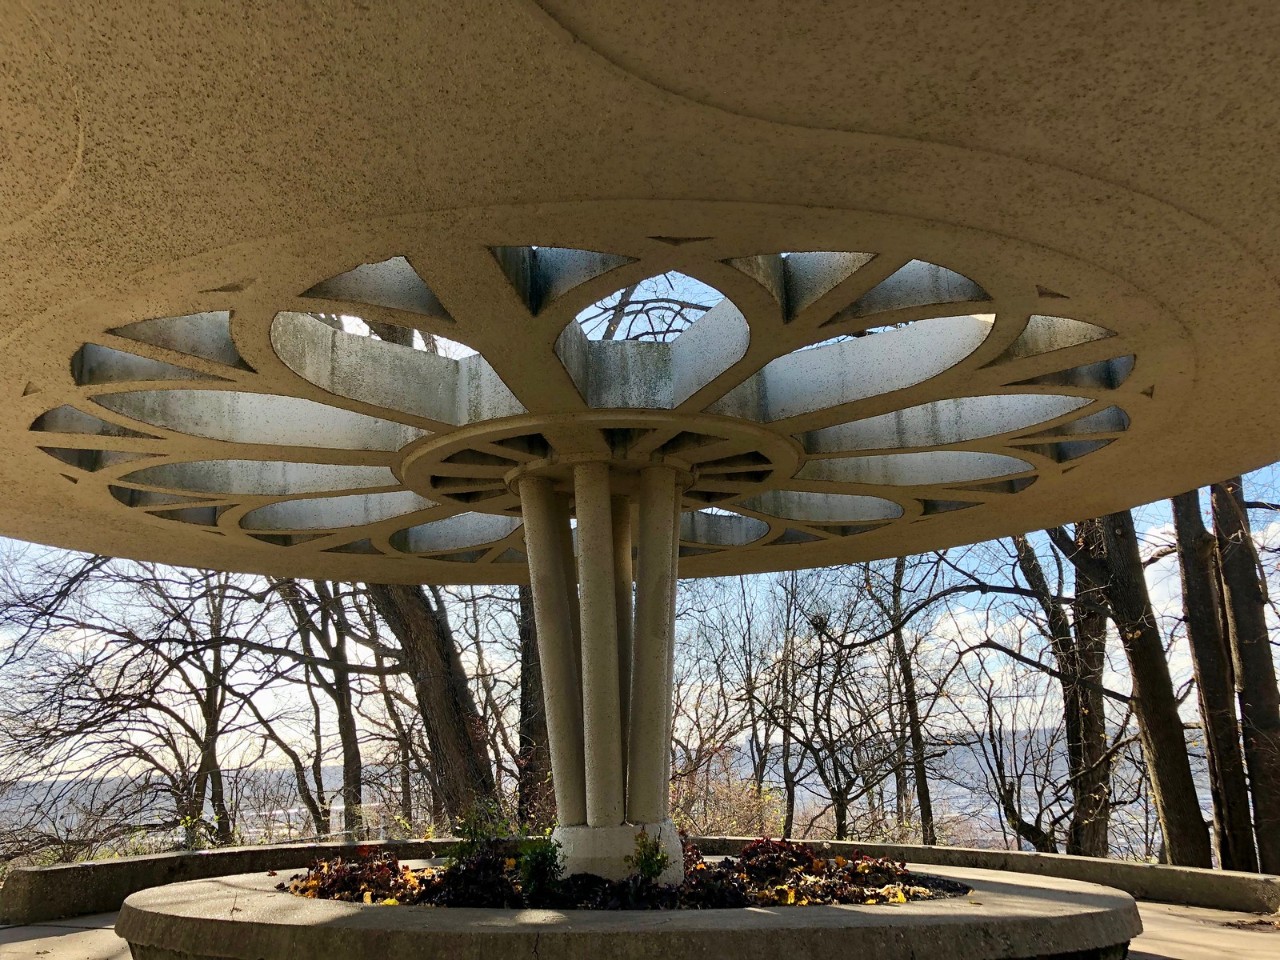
[(1038, 193), (1169, 933), (48, 893), (73, 889), (1006, 916), (1218, 889)]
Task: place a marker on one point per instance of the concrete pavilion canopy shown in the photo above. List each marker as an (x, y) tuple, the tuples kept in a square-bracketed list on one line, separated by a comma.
[(977, 272)]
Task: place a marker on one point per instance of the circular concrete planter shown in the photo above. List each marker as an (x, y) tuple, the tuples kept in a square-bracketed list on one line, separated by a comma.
[(1006, 917)]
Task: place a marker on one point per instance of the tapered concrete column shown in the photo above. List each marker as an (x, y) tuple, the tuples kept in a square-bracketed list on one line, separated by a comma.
[(601, 713), (546, 526), (648, 750), (623, 576)]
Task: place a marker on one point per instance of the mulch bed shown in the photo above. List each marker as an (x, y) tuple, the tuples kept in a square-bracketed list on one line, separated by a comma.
[(515, 873)]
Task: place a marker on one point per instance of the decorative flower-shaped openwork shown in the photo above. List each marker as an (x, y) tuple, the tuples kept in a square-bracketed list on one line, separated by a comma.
[(827, 396)]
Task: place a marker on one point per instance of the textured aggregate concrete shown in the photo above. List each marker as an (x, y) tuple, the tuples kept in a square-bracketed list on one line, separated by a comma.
[(1005, 916), (1112, 164), (1169, 933), (48, 893), (1218, 889)]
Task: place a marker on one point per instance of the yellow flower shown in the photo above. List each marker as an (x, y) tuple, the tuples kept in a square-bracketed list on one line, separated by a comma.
[(391, 902)]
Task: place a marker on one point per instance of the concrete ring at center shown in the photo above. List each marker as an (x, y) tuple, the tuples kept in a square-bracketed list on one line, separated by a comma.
[(1006, 917)]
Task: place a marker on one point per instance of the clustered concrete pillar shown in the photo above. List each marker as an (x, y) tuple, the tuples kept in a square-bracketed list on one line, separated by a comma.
[(607, 657)]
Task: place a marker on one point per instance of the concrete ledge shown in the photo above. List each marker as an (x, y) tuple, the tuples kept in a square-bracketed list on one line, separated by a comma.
[(32, 895), (1007, 916), (35, 894), (1217, 889)]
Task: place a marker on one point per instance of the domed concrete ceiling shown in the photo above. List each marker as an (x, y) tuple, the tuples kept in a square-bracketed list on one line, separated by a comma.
[(310, 291)]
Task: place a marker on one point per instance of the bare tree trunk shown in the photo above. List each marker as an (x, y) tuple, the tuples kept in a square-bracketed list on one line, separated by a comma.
[(464, 777), (535, 802), (1159, 726), (1083, 717), (915, 728), (1089, 833), (1233, 826), (1254, 667)]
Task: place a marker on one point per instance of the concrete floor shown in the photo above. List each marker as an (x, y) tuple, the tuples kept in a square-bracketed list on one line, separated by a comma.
[(1172, 933)]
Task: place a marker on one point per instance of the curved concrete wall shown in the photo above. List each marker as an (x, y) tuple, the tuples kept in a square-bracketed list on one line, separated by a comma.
[(1219, 889), (31, 895)]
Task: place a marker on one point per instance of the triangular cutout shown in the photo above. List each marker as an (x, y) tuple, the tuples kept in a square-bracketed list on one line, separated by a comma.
[(917, 284), (68, 419), (1105, 375), (791, 535), (205, 335), (933, 507), (235, 286), (813, 275), (357, 546), (391, 283), (796, 280), (541, 275), (92, 460), (201, 516), (1051, 294), (95, 364), (29, 389), (1044, 334), (1110, 420), (286, 539), (1065, 450), (679, 241), (1015, 485)]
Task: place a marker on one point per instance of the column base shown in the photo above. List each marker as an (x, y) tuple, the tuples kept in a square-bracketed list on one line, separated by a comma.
[(603, 850)]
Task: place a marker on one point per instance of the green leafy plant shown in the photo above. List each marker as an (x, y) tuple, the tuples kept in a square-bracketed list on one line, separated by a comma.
[(649, 860), (483, 830), (541, 869)]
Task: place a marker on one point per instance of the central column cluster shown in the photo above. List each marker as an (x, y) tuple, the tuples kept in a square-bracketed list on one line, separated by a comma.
[(607, 659)]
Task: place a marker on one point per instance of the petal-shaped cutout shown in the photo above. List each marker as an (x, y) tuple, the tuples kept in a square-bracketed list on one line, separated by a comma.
[(68, 419), (721, 529), (330, 513), (391, 283), (1103, 375), (543, 274), (266, 418), (823, 507), (95, 364), (205, 335), (275, 478), (1045, 334), (917, 284), (455, 533), (390, 375), (915, 469), (657, 309), (809, 380), (943, 422), (661, 371)]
